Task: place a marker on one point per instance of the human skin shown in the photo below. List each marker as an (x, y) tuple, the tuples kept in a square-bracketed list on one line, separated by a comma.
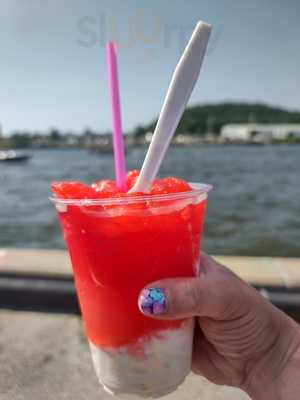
[(240, 338)]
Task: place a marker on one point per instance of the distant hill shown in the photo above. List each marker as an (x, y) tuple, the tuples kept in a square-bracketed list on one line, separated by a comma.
[(200, 119)]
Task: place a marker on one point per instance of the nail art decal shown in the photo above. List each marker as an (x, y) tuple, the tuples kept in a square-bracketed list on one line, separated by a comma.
[(152, 301)]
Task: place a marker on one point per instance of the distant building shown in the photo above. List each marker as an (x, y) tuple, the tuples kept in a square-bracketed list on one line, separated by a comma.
[(259, 132)]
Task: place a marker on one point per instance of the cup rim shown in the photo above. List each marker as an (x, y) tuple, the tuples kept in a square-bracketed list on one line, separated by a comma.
[(198, 189)]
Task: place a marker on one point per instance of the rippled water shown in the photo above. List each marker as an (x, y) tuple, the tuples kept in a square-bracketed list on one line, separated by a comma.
[(254, 208)]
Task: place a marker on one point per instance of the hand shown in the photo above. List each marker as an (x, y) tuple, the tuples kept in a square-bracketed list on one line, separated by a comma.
[(240, 338)]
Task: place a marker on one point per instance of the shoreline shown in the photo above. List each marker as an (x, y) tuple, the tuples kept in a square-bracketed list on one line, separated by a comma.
[(144, 145), (41, 280)]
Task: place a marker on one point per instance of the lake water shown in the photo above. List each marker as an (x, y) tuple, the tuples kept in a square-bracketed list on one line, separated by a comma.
[(254, 208)]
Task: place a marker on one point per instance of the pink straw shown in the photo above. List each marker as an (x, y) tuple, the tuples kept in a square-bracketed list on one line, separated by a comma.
[(118, 142)]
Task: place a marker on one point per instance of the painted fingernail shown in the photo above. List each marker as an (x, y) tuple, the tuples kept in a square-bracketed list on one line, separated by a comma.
[(152, 301)]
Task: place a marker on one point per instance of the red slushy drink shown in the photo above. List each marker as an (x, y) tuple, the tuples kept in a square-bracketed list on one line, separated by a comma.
[(119, 243)]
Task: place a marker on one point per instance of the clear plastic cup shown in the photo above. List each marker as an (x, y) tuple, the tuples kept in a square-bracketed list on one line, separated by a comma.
[(117, 246)]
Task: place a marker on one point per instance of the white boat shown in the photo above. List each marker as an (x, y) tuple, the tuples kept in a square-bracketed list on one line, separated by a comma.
[(12, 156)]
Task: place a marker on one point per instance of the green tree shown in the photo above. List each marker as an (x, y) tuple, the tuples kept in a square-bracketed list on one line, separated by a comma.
[(20, 140), (55, 135)]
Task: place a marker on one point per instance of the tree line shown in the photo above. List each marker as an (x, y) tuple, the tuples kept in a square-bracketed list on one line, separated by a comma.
[(209, 118), (196, 120)]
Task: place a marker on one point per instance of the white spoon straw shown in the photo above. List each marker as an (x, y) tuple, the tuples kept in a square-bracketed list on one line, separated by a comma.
[(180, 89)]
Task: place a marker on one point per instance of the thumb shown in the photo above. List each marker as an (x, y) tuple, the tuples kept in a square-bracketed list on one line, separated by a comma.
[(212, 294)]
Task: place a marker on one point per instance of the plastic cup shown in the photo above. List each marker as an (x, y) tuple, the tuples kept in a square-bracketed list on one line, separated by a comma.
[(117, 246)]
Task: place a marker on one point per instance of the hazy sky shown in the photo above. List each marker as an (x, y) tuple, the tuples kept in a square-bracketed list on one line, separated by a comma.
[(53, 68)]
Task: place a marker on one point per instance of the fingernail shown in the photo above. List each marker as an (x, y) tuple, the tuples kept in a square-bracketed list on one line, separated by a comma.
[(152, 301)]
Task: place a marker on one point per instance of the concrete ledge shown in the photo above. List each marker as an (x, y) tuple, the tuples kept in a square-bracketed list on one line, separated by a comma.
[(46, 357), (32, 261), (260, 271), (41, 280), (265, 271)]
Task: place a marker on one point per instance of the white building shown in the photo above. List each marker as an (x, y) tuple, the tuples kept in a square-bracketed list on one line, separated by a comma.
[(259, 132)]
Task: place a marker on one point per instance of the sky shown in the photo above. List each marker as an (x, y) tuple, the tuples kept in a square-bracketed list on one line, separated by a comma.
[(53, 67)]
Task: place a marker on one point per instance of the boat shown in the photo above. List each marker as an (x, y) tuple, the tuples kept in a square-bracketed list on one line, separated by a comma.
[(13, 157)]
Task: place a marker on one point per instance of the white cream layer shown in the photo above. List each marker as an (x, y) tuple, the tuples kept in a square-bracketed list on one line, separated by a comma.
[(162, 365)]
